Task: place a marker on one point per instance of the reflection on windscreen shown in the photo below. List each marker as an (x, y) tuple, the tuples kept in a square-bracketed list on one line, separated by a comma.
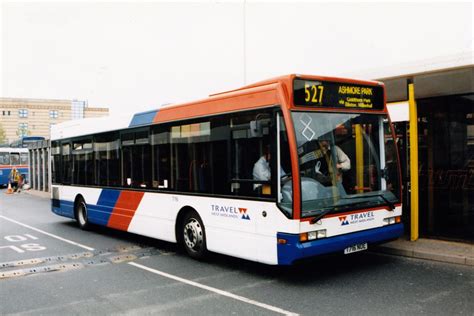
[(346, 161)]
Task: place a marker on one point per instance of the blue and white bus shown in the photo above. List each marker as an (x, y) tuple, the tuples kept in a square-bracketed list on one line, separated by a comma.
[(13, 158), (187, 173)]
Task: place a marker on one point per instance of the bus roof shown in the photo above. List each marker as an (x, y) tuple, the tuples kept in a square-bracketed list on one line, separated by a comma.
[(249, 97)]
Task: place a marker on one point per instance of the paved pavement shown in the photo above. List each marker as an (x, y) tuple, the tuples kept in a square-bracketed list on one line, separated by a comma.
[(429, 249)]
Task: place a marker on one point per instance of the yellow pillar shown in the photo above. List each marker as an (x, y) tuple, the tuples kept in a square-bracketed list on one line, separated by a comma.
[(359, 158), (413, 163)]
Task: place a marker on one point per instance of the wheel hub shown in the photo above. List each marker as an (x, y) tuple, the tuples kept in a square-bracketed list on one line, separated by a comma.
[(193, 236)]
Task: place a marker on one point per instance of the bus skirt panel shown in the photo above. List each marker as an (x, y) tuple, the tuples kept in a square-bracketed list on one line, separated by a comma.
[(295, 250)]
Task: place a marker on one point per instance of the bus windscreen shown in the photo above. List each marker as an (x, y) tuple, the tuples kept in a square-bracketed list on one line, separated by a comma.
[(326, 94)]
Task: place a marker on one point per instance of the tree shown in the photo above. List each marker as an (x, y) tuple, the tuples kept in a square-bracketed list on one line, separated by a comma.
[(3, 138)]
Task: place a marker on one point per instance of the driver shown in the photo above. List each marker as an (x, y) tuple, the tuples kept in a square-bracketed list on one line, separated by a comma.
[(323, 162)]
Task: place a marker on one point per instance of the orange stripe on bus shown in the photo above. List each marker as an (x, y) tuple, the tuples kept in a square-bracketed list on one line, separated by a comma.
[(125, 209), (218, 105)]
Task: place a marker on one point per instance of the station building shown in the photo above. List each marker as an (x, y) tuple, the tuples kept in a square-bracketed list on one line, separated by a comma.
[(444, 101), (34, 117)]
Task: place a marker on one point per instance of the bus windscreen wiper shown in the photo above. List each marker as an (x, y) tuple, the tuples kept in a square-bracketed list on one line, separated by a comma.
[(390, 204), (321, 215)]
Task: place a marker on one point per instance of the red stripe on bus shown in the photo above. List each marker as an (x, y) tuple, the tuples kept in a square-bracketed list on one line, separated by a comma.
[(11, 166), (124, 210)]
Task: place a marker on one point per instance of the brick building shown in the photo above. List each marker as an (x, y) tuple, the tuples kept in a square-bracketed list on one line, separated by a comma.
[(34, 117)]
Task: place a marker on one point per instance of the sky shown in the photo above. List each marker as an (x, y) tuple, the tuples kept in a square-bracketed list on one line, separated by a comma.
[(136, 56)]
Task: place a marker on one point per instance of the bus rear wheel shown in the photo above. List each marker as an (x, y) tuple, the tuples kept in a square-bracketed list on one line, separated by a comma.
[(194, 235), (81, 214)]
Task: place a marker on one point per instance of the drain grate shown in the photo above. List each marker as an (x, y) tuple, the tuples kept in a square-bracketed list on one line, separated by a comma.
[(76, 261)]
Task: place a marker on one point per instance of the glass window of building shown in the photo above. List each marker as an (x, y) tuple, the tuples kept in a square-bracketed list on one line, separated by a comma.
[(77, 108), (23, 113), (23, 129), (53, 114), (446, 166)]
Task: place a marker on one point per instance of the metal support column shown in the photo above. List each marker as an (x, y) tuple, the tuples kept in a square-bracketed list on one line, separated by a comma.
[(414, 233), (33, 169), (43, 169)]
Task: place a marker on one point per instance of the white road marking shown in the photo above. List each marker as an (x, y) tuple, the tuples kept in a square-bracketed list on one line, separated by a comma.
[(48, 234), (212, 289)]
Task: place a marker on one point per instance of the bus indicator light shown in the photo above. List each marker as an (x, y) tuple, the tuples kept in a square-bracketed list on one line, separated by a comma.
[(391, 220), (281, 241), (317, 234)]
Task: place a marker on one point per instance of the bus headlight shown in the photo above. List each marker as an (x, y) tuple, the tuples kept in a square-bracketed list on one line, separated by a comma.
[(391, 220), (317, 234)]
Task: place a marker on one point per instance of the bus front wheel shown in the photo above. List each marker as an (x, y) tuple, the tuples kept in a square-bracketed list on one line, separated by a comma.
[(81, 214), (194, 235)]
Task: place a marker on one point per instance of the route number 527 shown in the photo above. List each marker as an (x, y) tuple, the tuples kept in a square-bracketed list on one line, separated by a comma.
[(313, 94)]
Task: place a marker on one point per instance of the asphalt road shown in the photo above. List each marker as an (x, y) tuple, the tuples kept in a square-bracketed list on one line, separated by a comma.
[(49, 266)]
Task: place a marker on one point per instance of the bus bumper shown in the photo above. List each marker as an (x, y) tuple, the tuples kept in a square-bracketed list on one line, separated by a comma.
[(294, 250)]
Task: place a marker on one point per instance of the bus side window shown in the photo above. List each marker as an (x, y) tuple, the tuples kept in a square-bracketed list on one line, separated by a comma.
[(250, 143), (191, 151), (4, 158), (15, 158), (23, 158), (66, 163), (82, 162), (136, 159), (107, 158), (55, 162), (160, 141)]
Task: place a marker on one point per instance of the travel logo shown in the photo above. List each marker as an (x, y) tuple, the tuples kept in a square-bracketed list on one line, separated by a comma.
[(230, 212), (243, 211), (357, 218), (343, 220)]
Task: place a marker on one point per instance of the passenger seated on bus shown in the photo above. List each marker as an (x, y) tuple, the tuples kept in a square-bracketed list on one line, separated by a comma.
[(261, 169)]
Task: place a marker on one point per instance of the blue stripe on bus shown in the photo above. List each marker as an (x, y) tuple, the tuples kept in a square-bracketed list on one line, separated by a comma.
[(63, 208), (100, 213), (294, 250), (144, 118), (5, 174)]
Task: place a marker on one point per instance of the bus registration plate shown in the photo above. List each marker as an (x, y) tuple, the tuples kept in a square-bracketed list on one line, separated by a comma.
[(355, 248)]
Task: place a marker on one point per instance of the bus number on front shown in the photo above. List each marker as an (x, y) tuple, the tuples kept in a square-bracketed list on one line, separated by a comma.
[(313, 93)]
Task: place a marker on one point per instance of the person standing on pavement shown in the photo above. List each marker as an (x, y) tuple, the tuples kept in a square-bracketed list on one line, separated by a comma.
[(14, 178)]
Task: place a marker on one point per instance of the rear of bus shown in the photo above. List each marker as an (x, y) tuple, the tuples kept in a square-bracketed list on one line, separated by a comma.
[(347, 191)]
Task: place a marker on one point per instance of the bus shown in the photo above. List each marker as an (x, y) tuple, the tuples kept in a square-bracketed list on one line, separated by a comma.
[(188, 173), (13, 158), (24, 141)]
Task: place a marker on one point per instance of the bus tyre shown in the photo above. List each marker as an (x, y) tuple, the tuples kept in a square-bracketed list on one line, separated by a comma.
[(194, 235), (81, 214)]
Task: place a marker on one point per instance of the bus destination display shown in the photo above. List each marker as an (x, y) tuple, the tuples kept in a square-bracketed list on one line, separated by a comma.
[(316, 93)]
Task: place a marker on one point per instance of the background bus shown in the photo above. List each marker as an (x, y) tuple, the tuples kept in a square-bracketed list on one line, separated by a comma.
[(24, 141), (186, 173), (13, 157)]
